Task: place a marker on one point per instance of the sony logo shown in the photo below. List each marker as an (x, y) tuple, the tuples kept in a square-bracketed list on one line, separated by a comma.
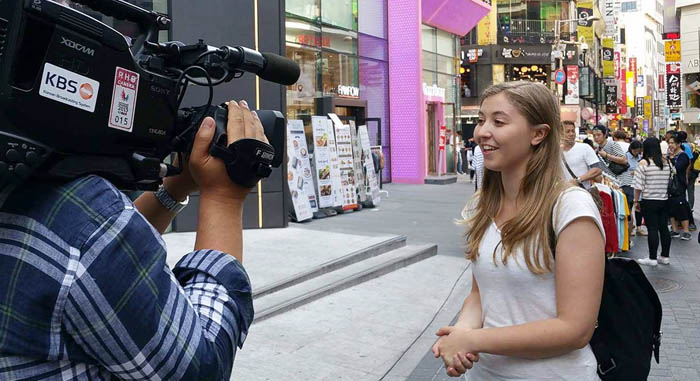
[(160, 90), (74, 45)]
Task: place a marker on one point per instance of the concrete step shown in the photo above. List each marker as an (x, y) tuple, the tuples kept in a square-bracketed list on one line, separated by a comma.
[(335, 264), (440, 180), (302, 293)]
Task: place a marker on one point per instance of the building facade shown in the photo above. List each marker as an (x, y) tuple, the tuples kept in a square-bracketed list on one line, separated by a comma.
[(689, 12)]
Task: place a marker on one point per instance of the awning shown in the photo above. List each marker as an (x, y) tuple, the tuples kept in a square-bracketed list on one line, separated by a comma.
[(454, 16)]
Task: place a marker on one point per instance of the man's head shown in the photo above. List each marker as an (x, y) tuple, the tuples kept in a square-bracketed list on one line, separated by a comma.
[(600, 134), (682, 136), (569, 136), (619, 135)]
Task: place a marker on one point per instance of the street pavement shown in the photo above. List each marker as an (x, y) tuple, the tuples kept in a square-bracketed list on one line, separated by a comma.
[(678, 286)]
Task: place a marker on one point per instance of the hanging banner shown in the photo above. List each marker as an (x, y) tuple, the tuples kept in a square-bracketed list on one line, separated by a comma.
[(673, 90), (622, 102), (572, 76), (673, 50), (662, 83), (617, 65), (371, 180), (639, 106), (647, 107), (632, 67), (299, 167), (630, 86), (611, 99), (608, 52), (608, 8), (325, 158), (585, 27)]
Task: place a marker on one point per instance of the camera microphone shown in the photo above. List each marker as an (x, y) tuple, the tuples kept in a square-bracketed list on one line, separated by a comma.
[(268, 66)]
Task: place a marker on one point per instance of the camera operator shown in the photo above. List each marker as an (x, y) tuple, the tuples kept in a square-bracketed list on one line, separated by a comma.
[(86, 292)]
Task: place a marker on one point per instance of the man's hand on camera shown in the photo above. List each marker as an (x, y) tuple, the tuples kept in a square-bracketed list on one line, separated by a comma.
[(209, 172)]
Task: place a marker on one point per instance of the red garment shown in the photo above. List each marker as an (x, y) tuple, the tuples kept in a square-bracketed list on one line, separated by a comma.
[(612, 245)]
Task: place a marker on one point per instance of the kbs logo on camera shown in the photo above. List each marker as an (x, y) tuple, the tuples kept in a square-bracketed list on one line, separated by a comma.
[(69, 88)]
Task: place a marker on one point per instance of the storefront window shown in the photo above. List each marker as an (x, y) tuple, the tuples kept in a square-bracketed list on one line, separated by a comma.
[(304, 33), (340, 13), (372, 17), (429, 77), (428, 34), (534, 73), (445, 64), (301, 96), (468, 81), (532, 21), (429, 61), (341, 40), (445, 43), (338, 69), (692, 91), (309, 9)]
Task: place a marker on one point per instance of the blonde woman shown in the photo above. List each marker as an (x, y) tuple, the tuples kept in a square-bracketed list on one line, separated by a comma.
[(528, 316)]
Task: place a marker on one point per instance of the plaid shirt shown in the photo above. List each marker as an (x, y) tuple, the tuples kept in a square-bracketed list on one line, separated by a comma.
[(85, 292)]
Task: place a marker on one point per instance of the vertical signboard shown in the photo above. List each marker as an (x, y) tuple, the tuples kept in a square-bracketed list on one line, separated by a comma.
[(639, 106), (301, 182), (617, 65), (572, 76), (371, 182), (608, 52), (647, 107), (325, 157), (673, 85), (629, 88), (611, 99), (585, 26), (347, 166), (673, 50)]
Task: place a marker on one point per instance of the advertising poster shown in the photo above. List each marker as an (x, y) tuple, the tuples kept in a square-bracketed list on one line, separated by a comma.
[(298, 153), (608, 53), (611, 99), (673, 90), (622, 102), (357, 161), (371, 181), (617, 65), (632, 67), (585, 28), (572, 75), (647, 107), (295, 180), (673, 50), (639, 106), (347, 168), (324, 155)]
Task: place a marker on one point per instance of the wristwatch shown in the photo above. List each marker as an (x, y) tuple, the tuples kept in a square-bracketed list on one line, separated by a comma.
[(169, 202)]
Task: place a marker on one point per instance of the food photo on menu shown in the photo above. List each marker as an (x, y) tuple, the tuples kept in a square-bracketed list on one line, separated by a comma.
[(324, 173)]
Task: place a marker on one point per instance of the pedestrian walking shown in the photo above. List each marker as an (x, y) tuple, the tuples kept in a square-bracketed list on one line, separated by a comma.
[(620, 137), (580, 161), (679, 208), (650, 198), (528, 316), (634, 155), (691, 174), (612, 155)]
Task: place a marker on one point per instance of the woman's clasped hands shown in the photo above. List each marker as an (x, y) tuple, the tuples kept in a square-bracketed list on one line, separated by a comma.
[(454, 348)]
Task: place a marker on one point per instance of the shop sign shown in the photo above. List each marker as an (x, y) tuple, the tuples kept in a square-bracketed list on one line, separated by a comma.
[(662, 83), (647, 107), (348, 91), (585, 27), (639, 106), (433, 91), (443, 137), (673, 50), (632, 67), (534, 54), (623, 92), (673, 90), (473, 55), (617, 64), (314, 40), (673, 68), (608, 52), (630, 88), (645, 126), (609, 16), (611, 99)]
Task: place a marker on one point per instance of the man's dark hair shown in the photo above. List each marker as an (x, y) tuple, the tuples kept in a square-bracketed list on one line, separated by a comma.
[(682, 136), (635, 144), (568, 122), (601, 128), (619, 134)]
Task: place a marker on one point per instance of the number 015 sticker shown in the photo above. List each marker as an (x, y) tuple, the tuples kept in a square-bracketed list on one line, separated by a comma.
[(126, 89)]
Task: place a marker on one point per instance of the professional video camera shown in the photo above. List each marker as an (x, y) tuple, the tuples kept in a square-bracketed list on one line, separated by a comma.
[(77, 97)]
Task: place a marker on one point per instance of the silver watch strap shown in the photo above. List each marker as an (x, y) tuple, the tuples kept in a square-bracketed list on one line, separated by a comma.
[(169, 202)]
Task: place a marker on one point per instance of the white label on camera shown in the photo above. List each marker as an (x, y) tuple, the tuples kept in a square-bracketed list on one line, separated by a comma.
[(70, 88), (126, 88)]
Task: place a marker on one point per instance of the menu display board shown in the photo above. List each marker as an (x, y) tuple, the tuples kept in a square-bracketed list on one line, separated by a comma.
[(326, 160), (347, 167), (298, 153), (371, 181), (357, 161)]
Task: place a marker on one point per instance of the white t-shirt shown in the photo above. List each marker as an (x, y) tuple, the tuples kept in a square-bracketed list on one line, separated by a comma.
[(664, 147), (623, 144), (580, 158), (512, 295)]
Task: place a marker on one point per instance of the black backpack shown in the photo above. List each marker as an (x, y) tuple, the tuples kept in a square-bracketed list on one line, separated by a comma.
[(628, 329)]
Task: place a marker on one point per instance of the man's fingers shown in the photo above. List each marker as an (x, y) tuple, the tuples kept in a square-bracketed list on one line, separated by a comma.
[(248, 121), (259, 130), (235, 128), (202, 141), (468, 364), (458, 365)]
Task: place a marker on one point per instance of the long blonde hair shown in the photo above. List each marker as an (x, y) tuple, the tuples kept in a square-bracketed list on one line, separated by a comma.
[(532, 228)]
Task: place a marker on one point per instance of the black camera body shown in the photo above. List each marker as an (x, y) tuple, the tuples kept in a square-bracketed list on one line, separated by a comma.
[(77, 97)]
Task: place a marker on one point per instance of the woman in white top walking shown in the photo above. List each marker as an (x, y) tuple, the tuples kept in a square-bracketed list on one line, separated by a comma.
[(528, 315), (651, 198)]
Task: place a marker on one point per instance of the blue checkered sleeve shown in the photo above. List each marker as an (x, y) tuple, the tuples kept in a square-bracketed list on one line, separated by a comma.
[(138, 320)]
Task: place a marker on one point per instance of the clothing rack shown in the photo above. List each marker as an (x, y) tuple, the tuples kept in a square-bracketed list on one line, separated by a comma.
[(611, 180)]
